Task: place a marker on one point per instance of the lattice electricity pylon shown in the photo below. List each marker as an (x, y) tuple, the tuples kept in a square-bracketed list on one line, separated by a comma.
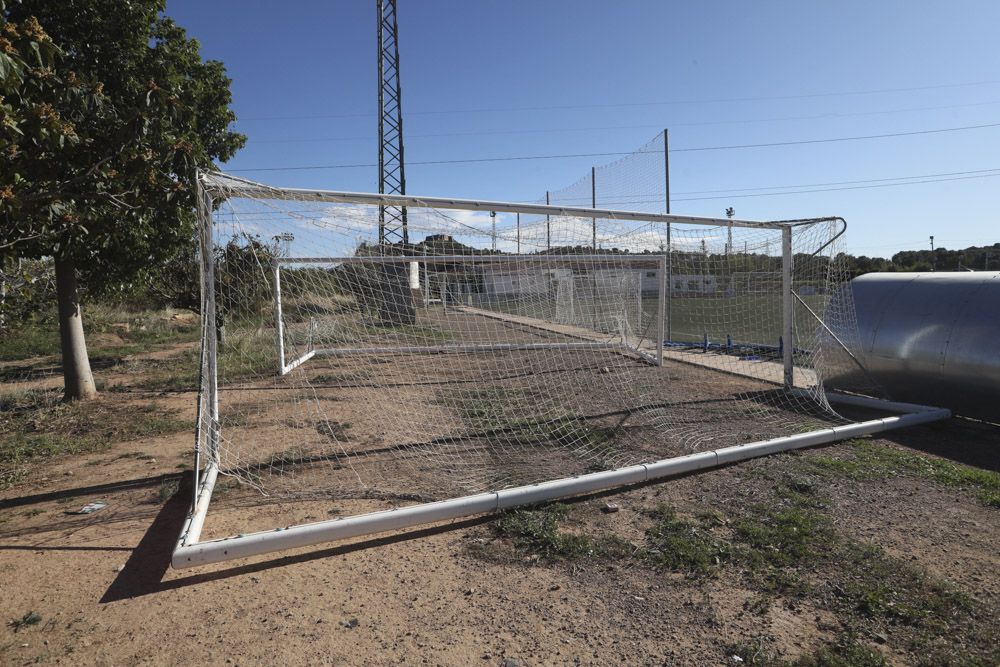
[(391, 175)]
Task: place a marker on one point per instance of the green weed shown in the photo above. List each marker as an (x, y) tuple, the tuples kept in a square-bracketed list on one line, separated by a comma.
[(29, 619), (683, 546), (872, 461)]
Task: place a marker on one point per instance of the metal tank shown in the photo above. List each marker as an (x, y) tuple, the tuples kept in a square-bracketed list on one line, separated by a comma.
[(930, 338)]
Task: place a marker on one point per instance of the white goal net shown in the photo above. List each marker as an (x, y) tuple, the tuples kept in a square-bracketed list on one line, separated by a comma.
[(501, 345)]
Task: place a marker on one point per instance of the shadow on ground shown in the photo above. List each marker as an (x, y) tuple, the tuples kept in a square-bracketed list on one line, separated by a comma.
[(143, 573)]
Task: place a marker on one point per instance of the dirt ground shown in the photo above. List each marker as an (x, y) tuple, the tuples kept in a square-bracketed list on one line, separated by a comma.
[(98, 588)]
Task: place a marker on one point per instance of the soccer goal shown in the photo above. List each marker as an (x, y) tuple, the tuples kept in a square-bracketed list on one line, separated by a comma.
[(500, 354)]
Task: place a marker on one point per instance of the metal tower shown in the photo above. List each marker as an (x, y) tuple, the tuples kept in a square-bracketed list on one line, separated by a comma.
[(391, 177)]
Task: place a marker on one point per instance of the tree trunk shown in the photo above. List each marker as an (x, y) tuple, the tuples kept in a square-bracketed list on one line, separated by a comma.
[(77, 378)]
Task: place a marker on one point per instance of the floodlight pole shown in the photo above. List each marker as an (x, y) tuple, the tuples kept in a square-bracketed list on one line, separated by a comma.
[(493, 220), (670, 260), (518, 233), (593, 204), (788, 309), (548, 226), (279, 325)]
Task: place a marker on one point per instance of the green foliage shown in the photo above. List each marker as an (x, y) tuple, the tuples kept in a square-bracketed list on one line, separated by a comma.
[(978, 258), (27, 288), (109, 110), (537, 532), (138, 331), (879, 586), (248, 355), (683, 546), (29, 619), (846, 651), (35, 426), (788, 536), (871, 461), (243, 278)]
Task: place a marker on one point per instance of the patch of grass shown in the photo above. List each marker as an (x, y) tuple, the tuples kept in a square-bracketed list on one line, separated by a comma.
[(515, 411), (846, 651), (683, 546), (872, 461), (753, 652), (32, 339), (29, 619), (781, 539), (419, 334), (167, 490), (784, 536), (495, 407), (336, 431), (138, 331), (537, 532), (225, 485), (877, 585), (242, 357), (35, 425)]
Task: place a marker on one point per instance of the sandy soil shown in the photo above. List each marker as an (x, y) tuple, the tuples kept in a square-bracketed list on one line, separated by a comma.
[(453, 594)]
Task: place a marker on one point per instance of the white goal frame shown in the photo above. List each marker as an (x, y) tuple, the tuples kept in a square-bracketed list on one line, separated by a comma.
[(191, 550)]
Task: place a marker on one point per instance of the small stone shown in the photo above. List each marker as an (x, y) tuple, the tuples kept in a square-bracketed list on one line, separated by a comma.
[(350, 624), (119, 568), (510, 662), (554, 587), (610, 508), (881, 637), (605, 369)]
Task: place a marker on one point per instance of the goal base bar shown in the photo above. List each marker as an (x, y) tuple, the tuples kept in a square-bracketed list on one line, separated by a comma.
[(468, 348), (190, 552)]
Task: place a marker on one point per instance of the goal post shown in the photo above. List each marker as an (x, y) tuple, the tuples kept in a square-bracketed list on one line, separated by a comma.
[(611, 316), (502, 359)]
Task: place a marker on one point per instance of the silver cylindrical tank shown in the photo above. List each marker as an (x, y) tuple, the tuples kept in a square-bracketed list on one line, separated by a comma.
[(930, 338)]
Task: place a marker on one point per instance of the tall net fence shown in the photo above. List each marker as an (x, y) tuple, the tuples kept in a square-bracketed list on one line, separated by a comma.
[(494, 350)]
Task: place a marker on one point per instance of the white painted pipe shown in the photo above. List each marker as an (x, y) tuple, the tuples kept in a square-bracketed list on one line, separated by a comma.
[(875, 403), (191, 531), (253, 544), (288, 368), (469, 347)]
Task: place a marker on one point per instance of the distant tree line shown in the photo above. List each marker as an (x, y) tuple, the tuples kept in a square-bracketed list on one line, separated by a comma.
[(973, 258)]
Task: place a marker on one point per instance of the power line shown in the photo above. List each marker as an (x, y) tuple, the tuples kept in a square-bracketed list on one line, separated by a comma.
[(852, 185), (823, 116), (869, 184), (562, 107), (831, 183), (619, 154)]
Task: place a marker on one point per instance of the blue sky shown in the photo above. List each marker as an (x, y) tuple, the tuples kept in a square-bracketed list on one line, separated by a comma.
[(481, 78)]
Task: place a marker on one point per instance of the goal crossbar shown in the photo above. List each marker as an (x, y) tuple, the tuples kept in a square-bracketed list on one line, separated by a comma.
[(252, 190)]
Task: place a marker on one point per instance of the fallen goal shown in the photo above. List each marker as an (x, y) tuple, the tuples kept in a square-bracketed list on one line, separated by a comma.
[(500, 354)]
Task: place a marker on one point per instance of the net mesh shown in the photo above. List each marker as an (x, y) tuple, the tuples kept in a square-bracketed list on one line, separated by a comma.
[(492, 352)]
